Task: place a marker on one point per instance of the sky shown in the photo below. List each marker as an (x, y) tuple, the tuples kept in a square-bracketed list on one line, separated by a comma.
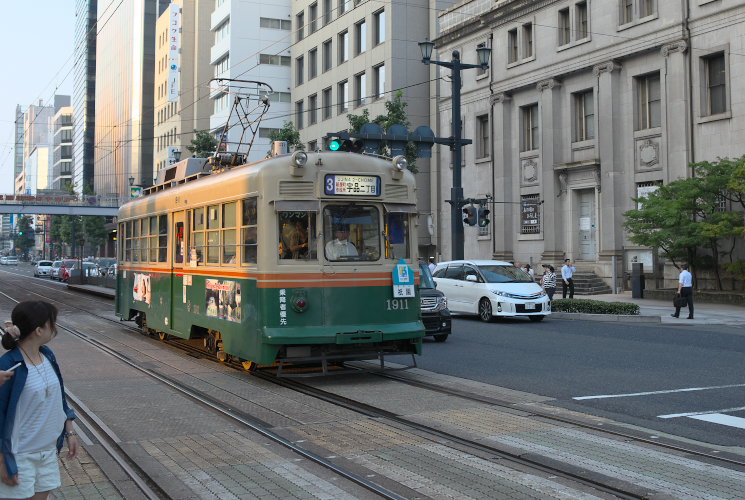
[(37, 37)]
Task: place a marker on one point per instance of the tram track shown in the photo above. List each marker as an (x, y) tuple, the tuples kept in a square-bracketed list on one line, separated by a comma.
[(544, 466)]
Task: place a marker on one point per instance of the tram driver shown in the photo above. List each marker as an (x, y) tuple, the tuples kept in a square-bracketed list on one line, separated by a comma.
[(340, 246)]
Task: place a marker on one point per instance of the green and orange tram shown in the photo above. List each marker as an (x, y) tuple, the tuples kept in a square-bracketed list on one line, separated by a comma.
[(288, 260)]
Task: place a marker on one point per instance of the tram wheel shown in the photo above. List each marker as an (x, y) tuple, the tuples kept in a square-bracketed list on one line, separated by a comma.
[(485, 312), (250, 366), (163, 336)]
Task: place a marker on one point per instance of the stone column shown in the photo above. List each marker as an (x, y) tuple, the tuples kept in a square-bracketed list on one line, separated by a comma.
[(676, 121), (610, 172), (503, 214), (552, 138)]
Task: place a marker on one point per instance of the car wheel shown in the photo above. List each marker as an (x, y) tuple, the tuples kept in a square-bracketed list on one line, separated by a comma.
[(441, 338), (536, 318), (485, 313)]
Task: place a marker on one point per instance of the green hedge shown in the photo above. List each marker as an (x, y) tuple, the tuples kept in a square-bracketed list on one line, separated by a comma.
[(589, 306)]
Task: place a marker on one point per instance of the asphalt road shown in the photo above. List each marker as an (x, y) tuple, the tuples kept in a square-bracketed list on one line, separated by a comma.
[(567, 359)]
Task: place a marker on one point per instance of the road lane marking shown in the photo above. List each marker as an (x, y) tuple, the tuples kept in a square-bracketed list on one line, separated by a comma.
[(699, 413), (719, 418), (670, 391)]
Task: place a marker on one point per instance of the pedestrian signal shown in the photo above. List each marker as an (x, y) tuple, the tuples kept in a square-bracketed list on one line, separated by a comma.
[(470, 215)]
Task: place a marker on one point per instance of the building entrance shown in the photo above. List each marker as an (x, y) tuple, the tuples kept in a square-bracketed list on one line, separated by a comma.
[(586, 223)]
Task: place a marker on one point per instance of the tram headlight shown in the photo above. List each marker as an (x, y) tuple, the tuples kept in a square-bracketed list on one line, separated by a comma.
[(299, 159), (400, 163)]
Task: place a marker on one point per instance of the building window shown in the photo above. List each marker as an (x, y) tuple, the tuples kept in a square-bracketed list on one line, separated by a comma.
[(327, 57), (581, 19), (222, 66), (482, 122), (274, 59), (512, 46), (529, 115), (312, 110), (300, 26), (360, 37), (299, 114), (326, 98), (379, 20), (646, 8), (343, 46), (275, 24), (343, 96), (360, 89), (715, 72), (312, 63), (564, 27), (379, 81), (584, 113), (527, 40), (313, 14), (627, 11), (299, 70), (648, 90), (327, 11), (344, 6)]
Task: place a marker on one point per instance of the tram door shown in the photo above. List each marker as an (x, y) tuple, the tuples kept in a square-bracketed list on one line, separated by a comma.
[(179, 284)]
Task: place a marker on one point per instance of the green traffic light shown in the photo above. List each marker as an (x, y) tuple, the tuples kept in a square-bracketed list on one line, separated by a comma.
[(335, 145), (20, 233)]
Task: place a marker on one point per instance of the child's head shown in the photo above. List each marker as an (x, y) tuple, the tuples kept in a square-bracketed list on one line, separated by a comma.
[(27, 317)]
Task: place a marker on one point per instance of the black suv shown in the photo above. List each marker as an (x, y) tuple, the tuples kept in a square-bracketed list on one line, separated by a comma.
[(434, 306)]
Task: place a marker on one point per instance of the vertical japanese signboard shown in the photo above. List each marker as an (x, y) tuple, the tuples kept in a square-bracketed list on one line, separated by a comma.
[(174, 47)]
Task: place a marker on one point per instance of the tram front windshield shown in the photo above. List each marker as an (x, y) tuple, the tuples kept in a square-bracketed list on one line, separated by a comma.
[(351, 233)]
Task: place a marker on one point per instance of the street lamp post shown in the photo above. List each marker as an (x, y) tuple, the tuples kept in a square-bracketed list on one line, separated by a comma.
[(456, 192)]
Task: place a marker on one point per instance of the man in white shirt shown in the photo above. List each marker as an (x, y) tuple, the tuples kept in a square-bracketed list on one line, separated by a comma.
[(567, 271), (432, 264), (685, 290), (340, 247)]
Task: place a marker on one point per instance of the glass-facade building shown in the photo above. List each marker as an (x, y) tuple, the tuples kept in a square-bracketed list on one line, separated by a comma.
[(84, 94)]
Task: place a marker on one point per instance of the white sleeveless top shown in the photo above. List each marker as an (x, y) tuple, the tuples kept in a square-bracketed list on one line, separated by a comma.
[(40, 418)]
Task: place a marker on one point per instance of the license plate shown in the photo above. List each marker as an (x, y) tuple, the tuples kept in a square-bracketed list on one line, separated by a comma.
[(530, 305)]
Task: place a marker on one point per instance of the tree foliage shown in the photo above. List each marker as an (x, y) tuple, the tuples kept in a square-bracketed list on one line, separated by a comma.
[(24, 239), (395, 114), (685, 220), (203, 145), (289, 134)]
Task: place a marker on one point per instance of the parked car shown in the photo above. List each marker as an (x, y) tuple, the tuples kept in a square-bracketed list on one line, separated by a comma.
[(106, 266), (434, 306), (9, 260), (89, 270), (54, 273), (64, 270), (491, 288), (43, 268)]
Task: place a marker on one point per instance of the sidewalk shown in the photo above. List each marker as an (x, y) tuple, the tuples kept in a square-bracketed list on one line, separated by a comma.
[(704, 313)]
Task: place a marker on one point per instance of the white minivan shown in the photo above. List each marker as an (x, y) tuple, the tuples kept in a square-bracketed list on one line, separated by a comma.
[(490, 288)]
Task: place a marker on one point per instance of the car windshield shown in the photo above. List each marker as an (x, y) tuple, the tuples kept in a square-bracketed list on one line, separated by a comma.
[(44, 263), (425, 277), (505, 274)]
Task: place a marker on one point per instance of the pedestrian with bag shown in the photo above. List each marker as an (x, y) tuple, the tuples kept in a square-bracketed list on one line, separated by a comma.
[(567, 271), (34, 415), (685, 292), (548, 281)]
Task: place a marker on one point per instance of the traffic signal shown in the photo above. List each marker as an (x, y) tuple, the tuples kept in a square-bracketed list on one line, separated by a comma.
[(470, 215), (399, 137), (20, 233), (483, 216), (335, 145)]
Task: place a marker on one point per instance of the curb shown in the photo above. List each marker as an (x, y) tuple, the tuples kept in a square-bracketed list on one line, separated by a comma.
[(616, 318), (92, 291)]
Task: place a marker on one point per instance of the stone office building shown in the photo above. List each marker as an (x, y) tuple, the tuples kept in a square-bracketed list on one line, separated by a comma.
[(587, 104)]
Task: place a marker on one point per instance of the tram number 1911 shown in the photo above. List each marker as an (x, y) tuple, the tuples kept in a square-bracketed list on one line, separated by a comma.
[(397, 304)]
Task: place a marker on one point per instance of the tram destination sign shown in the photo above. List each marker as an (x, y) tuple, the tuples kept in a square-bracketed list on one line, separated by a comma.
[(351, 185)]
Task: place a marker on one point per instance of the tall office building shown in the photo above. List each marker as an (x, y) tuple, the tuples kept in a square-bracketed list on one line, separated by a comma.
[(84, 94), (251, 42), (38, 144), (18, 142), (182, 74), (60, 177), (125, 58)]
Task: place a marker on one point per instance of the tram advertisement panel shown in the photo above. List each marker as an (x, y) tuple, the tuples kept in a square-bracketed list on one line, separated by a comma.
[(141, 288), (223, 300)]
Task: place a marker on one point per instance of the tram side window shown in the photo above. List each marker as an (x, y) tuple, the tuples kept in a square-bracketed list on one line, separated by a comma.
[(178, 248), (136, 240), (196, 250), (121, 241), (153, 239), (127, 235), (229, 233), (397, 235), (249, 221), (297, 232), (162, 238), (351, 232), (213, 234)]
